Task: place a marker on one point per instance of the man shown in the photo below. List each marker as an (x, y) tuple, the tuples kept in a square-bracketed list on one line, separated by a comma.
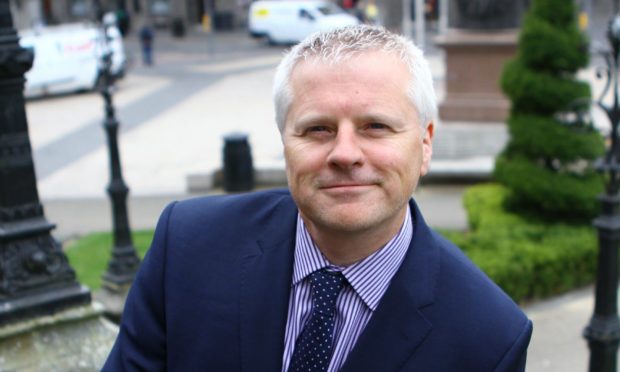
[(340, 274), (146, 42)]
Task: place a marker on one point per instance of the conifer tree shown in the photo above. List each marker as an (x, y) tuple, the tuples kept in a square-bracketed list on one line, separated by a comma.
[(547, 163)]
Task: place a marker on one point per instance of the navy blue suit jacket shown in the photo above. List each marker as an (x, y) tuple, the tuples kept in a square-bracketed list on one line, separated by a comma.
[(212, 295)]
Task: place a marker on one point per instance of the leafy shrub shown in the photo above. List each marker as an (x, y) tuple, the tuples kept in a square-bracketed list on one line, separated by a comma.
[(546, 164), (527, 257)]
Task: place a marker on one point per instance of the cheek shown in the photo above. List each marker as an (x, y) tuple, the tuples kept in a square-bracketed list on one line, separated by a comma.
[(402, 165), (301, 159), (401, 157)]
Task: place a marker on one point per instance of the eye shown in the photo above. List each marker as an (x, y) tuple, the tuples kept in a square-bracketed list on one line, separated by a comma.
[(317, 128), (377, 126), (317, 131)]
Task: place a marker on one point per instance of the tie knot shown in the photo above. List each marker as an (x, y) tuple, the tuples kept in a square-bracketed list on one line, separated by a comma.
[(326, 286)]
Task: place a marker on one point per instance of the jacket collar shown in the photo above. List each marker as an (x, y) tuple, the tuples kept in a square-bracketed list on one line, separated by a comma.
[(398, 326), (393, 333), (266, 271)]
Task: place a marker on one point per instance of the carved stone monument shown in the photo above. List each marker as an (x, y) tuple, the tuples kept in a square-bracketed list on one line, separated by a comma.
[(482, 37), (487, 14), (46, 316)]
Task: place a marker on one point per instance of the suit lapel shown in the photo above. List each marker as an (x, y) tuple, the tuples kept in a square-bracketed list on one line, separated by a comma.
[(398, 327), (265, 288)]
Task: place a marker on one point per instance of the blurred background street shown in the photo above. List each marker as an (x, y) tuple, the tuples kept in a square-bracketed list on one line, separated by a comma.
[(175, 114)]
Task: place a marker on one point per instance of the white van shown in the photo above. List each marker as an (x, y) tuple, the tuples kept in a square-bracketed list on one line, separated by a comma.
[(67, 57), (288, 22)]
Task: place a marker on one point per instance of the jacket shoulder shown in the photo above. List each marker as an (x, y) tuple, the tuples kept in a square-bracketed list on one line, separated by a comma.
[(472, 289), (476, 313)]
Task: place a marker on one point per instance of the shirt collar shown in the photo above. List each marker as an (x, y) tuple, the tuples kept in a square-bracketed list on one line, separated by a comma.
[(369, 277)]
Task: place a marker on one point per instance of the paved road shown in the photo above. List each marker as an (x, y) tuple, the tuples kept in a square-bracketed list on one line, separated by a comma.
[(173, 118)]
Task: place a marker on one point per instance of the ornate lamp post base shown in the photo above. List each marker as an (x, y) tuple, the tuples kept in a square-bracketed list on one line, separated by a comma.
[(603, 331), (47, 321), (124, 262), (603, 335), (35, 276)]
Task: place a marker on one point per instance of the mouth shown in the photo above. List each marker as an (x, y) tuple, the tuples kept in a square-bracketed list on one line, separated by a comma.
[(346, 187), (339, 185)]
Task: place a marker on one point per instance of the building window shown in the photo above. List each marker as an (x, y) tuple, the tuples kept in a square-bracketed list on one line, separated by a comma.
[(160, 7), (79, 8)]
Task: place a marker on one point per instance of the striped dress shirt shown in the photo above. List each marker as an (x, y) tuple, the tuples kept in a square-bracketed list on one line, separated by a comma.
[(366, 282)]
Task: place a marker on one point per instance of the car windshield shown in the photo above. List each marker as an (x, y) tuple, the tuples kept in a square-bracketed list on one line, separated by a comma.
[(328, 9)]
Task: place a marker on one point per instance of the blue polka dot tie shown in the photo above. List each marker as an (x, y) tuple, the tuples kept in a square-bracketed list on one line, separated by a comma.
[(313, 348)]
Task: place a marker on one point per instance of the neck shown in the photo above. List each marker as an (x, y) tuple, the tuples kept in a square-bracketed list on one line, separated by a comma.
[(344, 248)]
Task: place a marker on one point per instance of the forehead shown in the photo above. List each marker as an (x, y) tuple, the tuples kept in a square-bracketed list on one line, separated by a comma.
[(370, 84)]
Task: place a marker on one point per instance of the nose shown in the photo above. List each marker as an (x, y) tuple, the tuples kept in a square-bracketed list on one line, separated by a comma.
[(346, 152)]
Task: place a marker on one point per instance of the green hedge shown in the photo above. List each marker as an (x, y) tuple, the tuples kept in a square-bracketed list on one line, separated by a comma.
[(528, 258)]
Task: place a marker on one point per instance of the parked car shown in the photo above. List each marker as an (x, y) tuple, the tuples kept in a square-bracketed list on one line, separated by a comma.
[(288, 22), (67, 57)]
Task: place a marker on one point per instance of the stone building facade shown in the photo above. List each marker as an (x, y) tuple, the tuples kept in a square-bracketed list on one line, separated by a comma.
[(222, 14)]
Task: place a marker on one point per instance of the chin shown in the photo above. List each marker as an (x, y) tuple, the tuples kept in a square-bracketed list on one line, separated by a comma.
[(346, 221)]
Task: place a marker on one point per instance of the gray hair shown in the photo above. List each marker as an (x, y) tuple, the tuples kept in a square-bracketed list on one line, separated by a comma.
[(333, 47)]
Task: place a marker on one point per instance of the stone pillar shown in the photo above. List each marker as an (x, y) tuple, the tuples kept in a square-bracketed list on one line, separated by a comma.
[(474, 63), (482, 37)]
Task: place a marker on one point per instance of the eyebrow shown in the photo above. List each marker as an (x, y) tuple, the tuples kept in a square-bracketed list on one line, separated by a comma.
[(378, 117), (309, 119)]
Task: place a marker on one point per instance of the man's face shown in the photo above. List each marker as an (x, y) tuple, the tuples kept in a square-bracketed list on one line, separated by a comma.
[(353, 144)]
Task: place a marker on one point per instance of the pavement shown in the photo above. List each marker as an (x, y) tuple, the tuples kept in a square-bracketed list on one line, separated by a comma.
[(174, 116)]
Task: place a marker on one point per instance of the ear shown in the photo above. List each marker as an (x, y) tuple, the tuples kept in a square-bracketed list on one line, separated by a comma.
[(427, 148)]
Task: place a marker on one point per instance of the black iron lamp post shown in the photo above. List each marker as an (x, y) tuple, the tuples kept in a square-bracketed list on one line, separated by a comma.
[(603, 331), (124, 263), (35, 276)]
